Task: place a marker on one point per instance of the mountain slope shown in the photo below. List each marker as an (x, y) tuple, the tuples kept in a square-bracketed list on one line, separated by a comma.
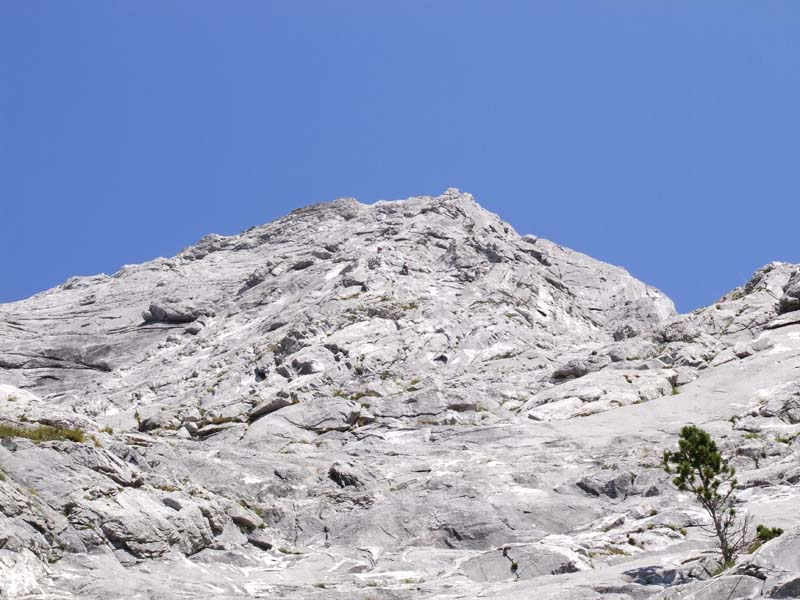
[(394, 400)]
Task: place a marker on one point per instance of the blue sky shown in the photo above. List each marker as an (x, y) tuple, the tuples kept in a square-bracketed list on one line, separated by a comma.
[(660, 136)]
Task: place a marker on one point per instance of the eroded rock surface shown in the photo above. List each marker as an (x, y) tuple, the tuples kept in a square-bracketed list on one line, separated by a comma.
[(400, 400)]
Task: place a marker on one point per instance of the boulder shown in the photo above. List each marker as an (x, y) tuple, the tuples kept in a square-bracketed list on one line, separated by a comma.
[(174, 311)]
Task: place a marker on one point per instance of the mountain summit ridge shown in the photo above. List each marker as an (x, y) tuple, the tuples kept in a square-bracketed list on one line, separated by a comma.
[(408, 394)]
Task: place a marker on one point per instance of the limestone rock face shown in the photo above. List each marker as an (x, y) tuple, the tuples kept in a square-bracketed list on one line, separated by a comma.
[(400, 400), (791, 294)]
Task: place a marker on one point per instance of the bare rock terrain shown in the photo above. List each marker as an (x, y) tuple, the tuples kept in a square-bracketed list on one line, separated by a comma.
[(390, 401)]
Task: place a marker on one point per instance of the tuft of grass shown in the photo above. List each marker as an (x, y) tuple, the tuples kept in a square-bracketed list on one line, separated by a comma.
[(108, 430), (675, 390), (320, 585), (675, 528), (356, 396), (634, 542), (43, 433), (751, 435), (2, 476), (722, 568)]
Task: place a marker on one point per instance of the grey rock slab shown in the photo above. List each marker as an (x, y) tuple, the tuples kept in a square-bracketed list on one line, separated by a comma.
[(396, 400)]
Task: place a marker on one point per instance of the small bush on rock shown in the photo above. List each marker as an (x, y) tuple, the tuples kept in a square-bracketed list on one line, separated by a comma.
[(765, 533)]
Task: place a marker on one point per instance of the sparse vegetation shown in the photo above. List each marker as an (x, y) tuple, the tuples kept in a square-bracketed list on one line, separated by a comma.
[(736, 294), (676, 529), (43, 433), (166, 487), (722, 568), (356, 396), (108, 430)]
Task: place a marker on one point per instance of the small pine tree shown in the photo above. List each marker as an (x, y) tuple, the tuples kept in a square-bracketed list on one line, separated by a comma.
[(699, 469)]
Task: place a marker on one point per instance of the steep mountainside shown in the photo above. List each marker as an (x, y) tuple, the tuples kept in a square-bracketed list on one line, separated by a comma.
[(401, 400)]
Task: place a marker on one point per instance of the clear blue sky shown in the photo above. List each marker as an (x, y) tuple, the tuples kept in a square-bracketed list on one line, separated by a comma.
[(660, 136)]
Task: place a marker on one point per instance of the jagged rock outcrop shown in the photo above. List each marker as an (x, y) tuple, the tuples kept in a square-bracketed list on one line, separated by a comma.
[(392, 401)]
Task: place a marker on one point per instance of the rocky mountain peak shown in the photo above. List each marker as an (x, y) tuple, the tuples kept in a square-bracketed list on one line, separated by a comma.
[(401, 396)]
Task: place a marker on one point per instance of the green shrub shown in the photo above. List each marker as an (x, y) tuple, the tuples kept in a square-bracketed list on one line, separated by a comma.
[(765, 534)]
